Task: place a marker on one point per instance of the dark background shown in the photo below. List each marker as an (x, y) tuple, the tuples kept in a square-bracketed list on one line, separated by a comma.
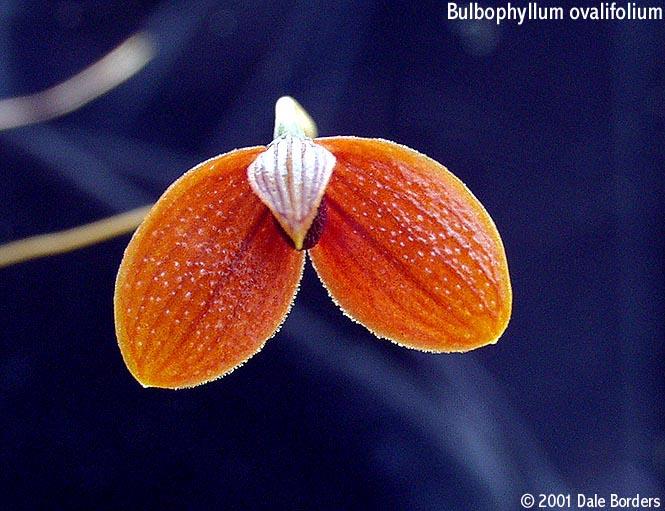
[(558, 128)]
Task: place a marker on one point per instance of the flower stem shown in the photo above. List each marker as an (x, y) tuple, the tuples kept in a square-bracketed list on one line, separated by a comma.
[(290, 119), (71, 239)]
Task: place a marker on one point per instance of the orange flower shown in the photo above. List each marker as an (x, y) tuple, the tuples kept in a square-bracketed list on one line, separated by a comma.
[(402, 246)]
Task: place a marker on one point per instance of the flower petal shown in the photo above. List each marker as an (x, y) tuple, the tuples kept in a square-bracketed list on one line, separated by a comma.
[(408, 251), (206, 279)]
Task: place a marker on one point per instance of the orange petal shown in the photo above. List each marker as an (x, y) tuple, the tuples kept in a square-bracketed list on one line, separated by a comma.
[(206, 279), (408, 251)]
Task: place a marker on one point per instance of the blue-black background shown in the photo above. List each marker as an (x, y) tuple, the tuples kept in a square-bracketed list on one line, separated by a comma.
[(558, 127)]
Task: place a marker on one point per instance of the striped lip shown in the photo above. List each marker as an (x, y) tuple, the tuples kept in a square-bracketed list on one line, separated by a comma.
[(291, 177)]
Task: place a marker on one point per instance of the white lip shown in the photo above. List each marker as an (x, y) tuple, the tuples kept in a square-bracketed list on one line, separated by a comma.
[(290, 178)]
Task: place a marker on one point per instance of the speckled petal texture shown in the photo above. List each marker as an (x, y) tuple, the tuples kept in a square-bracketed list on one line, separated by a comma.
[(408, 251), (205, 280)]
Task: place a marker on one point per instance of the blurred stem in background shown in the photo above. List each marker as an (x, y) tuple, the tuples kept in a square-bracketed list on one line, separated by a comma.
[(102, 76), (94, 81), (71, 239)]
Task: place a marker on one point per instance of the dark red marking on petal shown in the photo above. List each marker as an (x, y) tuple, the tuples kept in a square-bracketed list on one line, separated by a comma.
[(315, 230), (205, 280), (318, 225), (408, 251)]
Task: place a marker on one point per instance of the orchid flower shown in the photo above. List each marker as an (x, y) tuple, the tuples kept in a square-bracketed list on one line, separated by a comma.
[(400, 243)]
